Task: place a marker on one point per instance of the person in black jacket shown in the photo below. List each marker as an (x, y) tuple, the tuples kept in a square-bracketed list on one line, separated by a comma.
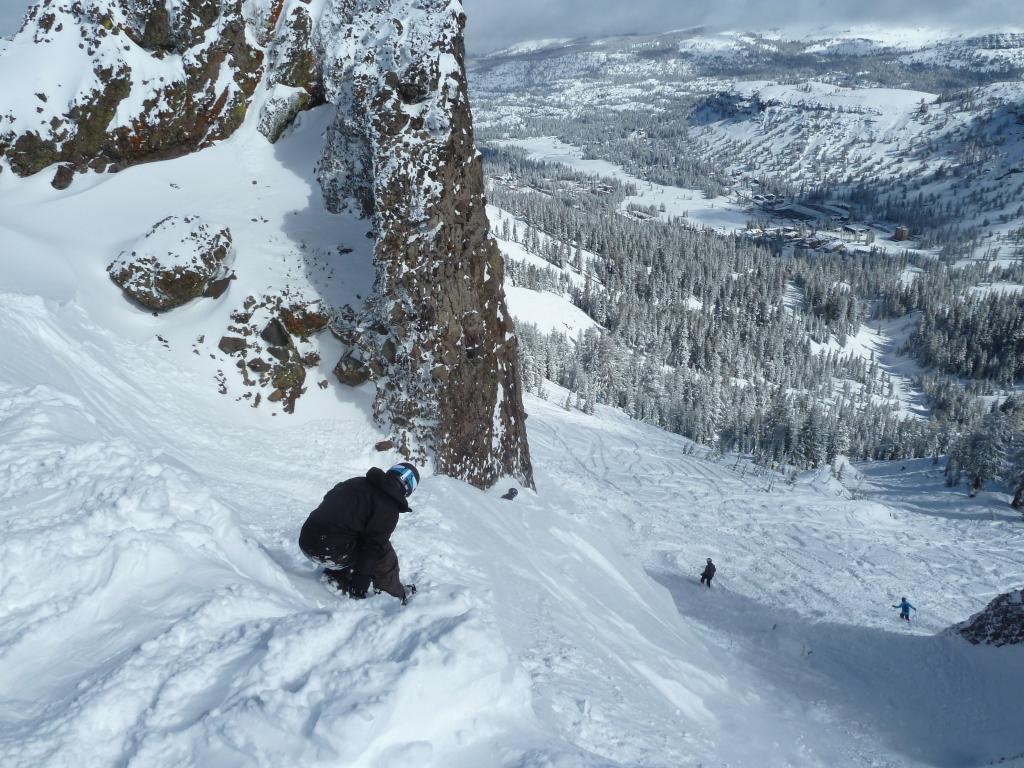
[(709, 573), (350, 532)]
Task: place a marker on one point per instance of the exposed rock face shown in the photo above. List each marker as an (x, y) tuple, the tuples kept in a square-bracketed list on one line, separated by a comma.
[(173, 263), (117, 82), (125, 81), (1001, 623), (439, 338)]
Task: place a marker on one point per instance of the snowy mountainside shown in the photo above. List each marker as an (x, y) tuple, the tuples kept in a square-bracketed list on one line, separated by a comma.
[(543, 633), (155, 610)]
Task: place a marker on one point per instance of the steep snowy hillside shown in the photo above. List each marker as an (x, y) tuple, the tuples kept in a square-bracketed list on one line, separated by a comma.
[(155, 610)]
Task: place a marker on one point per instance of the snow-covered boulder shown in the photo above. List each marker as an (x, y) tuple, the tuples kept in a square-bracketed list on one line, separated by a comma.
[(178, 260), (1000, 623)]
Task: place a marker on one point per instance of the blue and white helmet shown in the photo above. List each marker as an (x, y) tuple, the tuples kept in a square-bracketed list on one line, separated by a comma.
[(407, 475)]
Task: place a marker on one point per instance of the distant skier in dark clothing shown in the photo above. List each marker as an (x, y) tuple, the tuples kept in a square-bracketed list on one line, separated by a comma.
[(905, 608), (350, 532), (709, 573)]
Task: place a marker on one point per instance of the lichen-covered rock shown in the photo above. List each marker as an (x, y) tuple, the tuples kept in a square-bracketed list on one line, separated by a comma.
[(289, 375), (1000, 623), (352, 371), (304, 320), (402, 148), (173, 263), (116, 82), (273, 343)]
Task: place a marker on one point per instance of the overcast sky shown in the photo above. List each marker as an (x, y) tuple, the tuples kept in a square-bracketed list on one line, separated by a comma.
[(496, 23)]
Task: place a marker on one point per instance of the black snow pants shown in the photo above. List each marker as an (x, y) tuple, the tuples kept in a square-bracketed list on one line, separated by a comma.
[(705, 579), (335, 551)]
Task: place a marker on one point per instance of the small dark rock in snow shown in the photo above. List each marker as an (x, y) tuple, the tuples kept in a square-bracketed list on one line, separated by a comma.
[(231, 344), (275, 334), (217, 288), (63, 177)]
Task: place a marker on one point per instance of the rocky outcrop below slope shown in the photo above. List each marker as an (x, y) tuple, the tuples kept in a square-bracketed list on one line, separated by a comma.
[(269, 340), (1000, 623)]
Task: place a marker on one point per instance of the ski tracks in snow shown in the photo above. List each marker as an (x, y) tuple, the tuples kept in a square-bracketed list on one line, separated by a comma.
[(804, 587), (155, 611)]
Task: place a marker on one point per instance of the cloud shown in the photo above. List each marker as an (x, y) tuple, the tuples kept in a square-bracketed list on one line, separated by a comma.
[(496, 23)]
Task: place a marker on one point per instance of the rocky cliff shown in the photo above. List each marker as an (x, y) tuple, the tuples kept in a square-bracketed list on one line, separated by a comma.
[(102, 84), (437, 335)]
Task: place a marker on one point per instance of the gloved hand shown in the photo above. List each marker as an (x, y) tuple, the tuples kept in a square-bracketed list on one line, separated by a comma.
[(358, 586), (410, 590)]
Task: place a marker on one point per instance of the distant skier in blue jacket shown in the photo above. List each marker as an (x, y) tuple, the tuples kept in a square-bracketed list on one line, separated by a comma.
[(905, 608)]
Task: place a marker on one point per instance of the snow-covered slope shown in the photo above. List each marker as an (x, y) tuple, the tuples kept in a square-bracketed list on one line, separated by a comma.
[(155, 611)]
